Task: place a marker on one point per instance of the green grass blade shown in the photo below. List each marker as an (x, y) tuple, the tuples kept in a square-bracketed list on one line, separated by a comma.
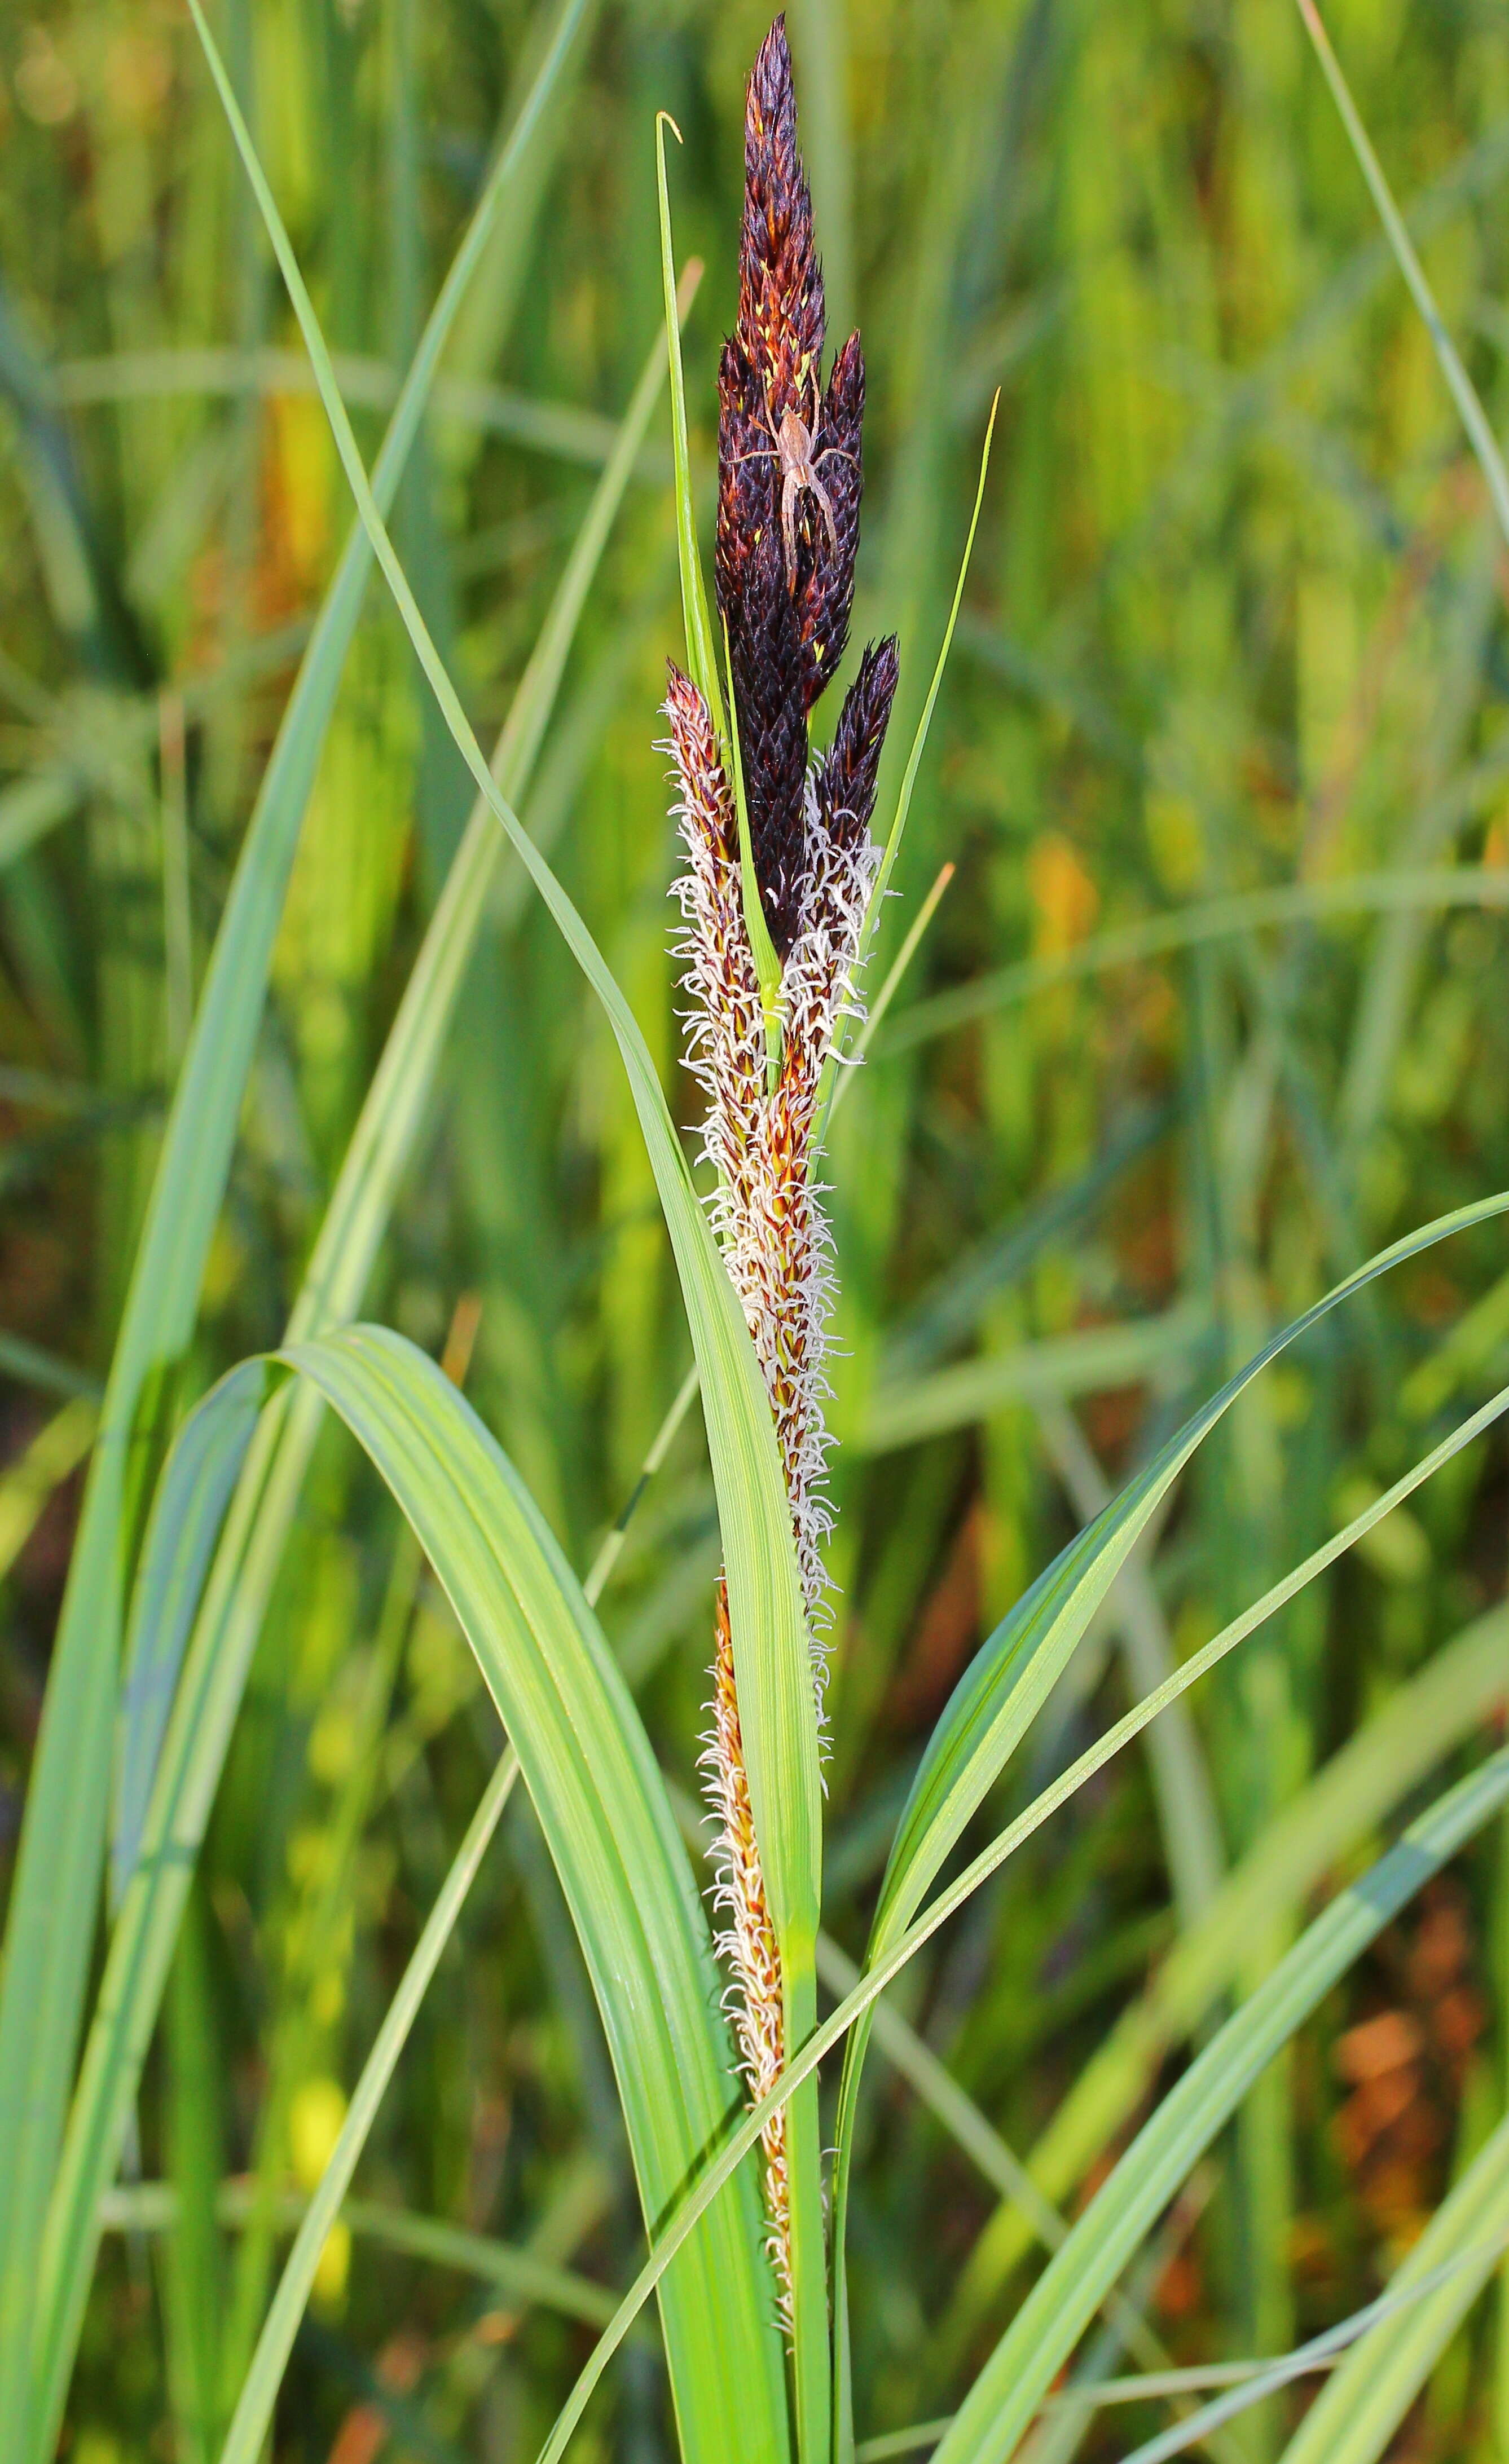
[(772, 1655), (885, 1966), (1473, 417), (188, 1512), (392, 1117), (1194, 1851), (254, 2412), (509, 2267), (1355, 2417), (1250, 2382), (58, 1447), (192, 2268), (1211, 920), (1261, 2381), (913, 759), (32, 806), (1449, 1700), (603, 1808), (1007, 2391), (700, 651), (1011, 1677), (559, 430), (612, 1549), (973, 2133), (30, 1366), (903, 1411), (54, 1894)]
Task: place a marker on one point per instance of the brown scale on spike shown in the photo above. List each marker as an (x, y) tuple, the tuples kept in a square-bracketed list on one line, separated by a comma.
[(848, 775), (782, 314)]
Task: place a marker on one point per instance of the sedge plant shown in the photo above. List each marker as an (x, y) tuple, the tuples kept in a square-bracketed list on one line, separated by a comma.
[(744, 2182)]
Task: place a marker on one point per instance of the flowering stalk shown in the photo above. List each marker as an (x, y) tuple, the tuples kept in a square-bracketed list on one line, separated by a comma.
[(789, 484)]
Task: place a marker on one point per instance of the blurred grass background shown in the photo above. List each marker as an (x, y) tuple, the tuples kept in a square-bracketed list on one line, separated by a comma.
[(1235, 627)]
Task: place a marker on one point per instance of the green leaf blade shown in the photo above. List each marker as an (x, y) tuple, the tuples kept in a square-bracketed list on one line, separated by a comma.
[(1357, 2414), (1006, 2395), (54, 1894), (603, 1808), (392, 1117)]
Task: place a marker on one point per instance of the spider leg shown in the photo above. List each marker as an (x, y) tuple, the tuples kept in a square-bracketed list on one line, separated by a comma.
[(824, 503), (788, 496), (842, 453)]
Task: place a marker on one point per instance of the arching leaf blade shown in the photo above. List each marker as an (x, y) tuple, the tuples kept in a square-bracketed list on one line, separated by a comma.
[(1434, 1711), (613, 1836), (1009, 1679), (391, 1120), (1006, 2395)]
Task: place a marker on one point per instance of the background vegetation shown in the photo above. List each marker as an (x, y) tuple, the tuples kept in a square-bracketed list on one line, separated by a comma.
[(1234, 638)]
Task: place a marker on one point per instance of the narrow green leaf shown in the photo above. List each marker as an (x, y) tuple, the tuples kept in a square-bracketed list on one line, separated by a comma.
[(1474, 419), (392, 1117), (58, 1447), (883, 1969), (906, 1410), (914, 761), (253, 2416), (1007, 2391), (603, 1808), (1245, 2383), (1355, 2417), (564, 430), (972, 2132), (1255, 2381), (191, 2269), (1012, 1674), (32, 806), (188, 1512), (508, 2267), (32, 1366), (701, 656), (1446, 1702), (54, 1894), (1406, 890)]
